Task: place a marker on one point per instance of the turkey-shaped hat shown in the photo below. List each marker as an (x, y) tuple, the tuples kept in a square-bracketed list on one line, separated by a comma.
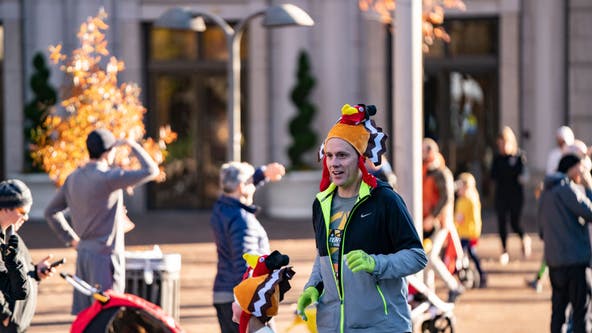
[(356, 127)]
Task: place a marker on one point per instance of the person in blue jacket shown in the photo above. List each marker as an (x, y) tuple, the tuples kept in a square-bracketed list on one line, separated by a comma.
[(237, 231), (365, 237), (564, 210)]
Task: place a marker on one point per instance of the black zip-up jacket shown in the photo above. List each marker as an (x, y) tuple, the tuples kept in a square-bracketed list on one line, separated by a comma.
[(20, 306), (380, 225)]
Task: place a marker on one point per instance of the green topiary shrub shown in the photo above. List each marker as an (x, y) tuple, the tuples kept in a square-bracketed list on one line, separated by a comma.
[(36, 111), (303, 136)]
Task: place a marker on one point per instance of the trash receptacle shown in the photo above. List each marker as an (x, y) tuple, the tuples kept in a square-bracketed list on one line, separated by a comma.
[(154, 276)]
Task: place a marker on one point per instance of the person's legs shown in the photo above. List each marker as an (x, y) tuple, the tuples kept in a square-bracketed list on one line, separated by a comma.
[(79, 300), (224, 313), (515, 222), (542, 270), (470, 249), (537, 282), (515, 211), (559, 297), (501, 225), (579, 297), (501, 213), (476, 260)]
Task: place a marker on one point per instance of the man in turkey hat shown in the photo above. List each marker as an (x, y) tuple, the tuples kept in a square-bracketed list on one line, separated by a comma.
[(365, 237)]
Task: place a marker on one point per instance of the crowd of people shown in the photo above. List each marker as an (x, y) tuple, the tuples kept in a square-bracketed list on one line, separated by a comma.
[(366, 241)]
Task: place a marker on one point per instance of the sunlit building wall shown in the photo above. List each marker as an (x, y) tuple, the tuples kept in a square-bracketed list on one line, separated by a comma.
[(525, 64)]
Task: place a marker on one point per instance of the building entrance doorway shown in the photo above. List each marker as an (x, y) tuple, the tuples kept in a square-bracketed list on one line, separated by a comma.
[(461, 99), (461, 114), (194, 106)]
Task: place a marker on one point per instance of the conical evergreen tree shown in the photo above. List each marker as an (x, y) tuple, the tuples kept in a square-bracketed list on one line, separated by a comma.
[(37, 109), (304, 138)]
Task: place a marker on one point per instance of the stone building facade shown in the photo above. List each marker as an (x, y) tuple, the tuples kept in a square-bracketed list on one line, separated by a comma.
[(526, 64)]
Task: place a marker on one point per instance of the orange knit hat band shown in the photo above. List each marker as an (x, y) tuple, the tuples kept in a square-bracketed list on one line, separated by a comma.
[(355, 135)]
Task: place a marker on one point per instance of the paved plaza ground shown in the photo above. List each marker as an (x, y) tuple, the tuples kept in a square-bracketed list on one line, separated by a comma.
[(507, 305)]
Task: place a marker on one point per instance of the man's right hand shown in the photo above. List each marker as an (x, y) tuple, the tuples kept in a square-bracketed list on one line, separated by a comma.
[(309, 296)]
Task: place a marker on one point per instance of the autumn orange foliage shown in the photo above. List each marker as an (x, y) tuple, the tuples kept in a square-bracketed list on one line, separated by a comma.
[(432, 16), (94, 100)]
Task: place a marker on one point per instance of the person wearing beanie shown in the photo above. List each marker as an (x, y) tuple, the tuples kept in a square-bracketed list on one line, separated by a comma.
[(564, 138), (237, 231), (563, 213), (366, 241), (93, 193), (566, 144), (19, 277)]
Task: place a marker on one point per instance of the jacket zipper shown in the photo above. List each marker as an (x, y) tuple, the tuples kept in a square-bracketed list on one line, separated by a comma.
[(340, 270), (382, 297)]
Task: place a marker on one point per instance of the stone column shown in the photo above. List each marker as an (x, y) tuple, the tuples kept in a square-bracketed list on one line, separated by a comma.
[(549, 77), (13, 86), (509, 65), (408, 112)]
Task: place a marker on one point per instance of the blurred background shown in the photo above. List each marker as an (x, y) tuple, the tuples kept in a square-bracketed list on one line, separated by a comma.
[(521, 63)]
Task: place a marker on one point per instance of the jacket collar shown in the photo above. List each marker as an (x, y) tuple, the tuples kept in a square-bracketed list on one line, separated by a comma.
[(364, 190), (325, 198), (230, 201)]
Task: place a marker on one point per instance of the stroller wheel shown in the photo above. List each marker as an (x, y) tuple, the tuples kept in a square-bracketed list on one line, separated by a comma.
[(469, 276), (439, 324)]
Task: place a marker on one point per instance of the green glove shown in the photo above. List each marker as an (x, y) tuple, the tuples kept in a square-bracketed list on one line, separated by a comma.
[(309, 295), (358, 260)]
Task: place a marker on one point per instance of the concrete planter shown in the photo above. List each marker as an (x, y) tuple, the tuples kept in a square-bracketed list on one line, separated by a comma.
[(292, 197), (43, 190)]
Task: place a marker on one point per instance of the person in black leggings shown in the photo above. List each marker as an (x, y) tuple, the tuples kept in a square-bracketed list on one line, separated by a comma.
[(508, 171)]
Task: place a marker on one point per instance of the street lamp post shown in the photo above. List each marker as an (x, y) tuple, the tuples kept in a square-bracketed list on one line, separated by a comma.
[(273, 16)]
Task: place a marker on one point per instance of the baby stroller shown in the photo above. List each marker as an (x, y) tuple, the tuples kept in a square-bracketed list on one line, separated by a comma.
[(429, 314), (114, 312)]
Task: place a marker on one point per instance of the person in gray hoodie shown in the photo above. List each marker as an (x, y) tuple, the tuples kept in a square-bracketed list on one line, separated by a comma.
[(563, 212), (94, 195)]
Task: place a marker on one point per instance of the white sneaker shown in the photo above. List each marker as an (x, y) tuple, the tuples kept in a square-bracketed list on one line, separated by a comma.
[(526, 246), (504, 258)]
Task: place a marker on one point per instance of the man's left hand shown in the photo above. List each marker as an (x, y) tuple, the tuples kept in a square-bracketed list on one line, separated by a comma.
[(358, 260)]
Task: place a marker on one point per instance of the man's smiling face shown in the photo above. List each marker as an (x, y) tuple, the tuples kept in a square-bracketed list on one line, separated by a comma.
[(342, 163)]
